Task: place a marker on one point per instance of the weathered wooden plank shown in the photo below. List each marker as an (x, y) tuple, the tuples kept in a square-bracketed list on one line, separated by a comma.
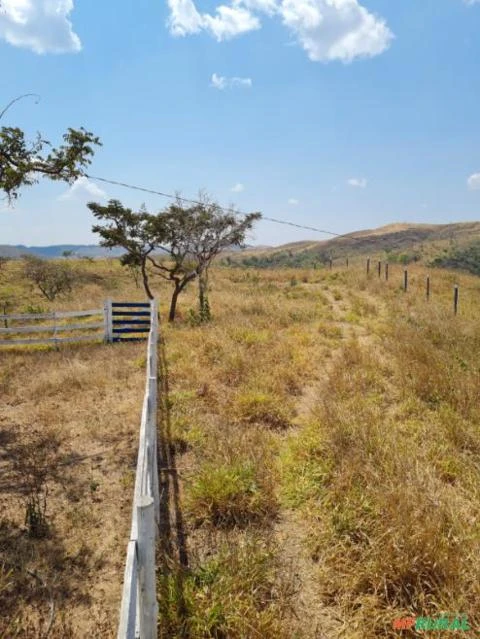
[(130, 304), (128, 611), (136, 322), (56, 315), (146, 567), (131, 313), (51, 340), (65, 314), (49, 328), (130, 330)]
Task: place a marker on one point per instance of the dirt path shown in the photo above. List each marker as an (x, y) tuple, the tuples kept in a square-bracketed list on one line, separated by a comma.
[(312, 619)]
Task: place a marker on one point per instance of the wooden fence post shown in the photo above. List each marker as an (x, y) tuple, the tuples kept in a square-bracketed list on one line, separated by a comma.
[(55, 332), (428, 288), (347, 262), (455, 299), (386, 271), (405, 280), (107, 315), (368, 265), (379, 269), (331, 263), (146, 568)]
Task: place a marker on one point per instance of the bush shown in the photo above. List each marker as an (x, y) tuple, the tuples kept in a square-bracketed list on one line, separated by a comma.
[(51, 279)]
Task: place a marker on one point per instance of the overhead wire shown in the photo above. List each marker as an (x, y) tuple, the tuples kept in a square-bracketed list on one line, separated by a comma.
[(222, 208)]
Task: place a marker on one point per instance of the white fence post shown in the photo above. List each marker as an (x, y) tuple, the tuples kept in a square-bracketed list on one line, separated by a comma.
[(146, 568), (107, 314)]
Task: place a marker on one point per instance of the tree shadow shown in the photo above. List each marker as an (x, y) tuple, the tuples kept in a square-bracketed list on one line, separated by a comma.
[(172, 560), (39, 578)]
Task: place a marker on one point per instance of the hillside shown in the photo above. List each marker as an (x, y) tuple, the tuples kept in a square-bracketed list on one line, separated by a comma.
[(56, 250), (401, 243)]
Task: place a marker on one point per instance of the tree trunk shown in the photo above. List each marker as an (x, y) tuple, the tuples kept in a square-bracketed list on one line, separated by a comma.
[(146, 285), (173, 304), (204, 306)]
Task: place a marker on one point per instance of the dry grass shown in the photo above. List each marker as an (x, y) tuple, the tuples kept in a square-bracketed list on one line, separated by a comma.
[(325, 395), (69, 422)]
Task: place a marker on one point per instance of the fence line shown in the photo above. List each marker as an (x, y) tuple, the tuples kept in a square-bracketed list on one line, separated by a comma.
[(50, 328), (117, 325), (405, 282), (139, 610)]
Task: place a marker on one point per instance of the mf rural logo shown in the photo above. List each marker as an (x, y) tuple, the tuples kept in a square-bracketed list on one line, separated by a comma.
[(432, 623)]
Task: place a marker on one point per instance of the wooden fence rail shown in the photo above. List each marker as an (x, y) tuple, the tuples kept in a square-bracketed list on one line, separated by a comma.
[(51, 329), (117, 324), (139, 610)]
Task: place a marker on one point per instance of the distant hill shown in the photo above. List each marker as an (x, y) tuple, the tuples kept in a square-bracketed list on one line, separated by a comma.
[(78, 250), (429, 243)]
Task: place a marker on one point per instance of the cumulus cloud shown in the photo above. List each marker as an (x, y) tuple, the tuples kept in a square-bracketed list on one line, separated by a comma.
[(83, 188), (335, 29), (326, 29), (474, 181), (40, 25), (230, 22), (238, 188), (293, 201), (357, 183), (221, 82), (227, 22)]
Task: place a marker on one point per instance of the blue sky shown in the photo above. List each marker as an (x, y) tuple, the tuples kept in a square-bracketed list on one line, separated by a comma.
[(341, 114)]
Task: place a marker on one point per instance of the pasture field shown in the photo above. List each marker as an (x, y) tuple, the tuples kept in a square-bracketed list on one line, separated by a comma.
[(320, 458)]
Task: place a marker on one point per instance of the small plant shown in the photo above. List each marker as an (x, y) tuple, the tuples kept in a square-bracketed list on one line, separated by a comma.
[(34, 309), (34, 464), (227, 495), (257, 407)]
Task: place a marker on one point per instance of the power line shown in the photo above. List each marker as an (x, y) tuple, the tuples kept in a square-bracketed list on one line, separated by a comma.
[(222, 208)]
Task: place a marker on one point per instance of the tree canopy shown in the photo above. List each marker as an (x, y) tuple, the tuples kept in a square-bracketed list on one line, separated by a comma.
[(22, 162), (178, 244)]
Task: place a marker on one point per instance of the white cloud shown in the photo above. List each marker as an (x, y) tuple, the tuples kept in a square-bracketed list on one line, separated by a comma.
[(83, 188), (238, 188), (471, 2), (358, 183), (293, 201), (474, 181), (40, 25), (184, 17), (326, 29), (228, 21), (221, 82), (335, 29)]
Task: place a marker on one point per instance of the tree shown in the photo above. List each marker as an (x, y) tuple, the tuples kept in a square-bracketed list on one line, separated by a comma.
[(144, 237), (201, 232), (21, 162), (179, 244), (52, 279), (128, 230)]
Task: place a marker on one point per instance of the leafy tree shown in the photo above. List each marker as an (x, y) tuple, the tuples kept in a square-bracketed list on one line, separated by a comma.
[(22, 161), (128, 230), (203, 231), (51, 279), (179, 244), (67, 253)]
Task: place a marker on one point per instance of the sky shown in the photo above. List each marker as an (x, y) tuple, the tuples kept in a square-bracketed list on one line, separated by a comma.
[(337, 114)]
